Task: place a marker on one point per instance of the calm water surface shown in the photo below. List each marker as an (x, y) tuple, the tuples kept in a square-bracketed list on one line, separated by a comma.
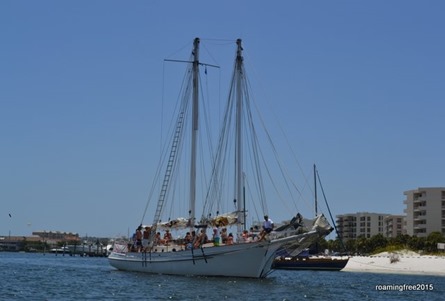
[(25, 276)]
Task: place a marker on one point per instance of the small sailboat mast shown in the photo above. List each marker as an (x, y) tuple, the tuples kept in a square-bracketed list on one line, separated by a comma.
[(315, 190)]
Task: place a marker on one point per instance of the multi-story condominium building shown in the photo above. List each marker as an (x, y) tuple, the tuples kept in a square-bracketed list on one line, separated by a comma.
[(425, 211), (394, 225), (360, 224)]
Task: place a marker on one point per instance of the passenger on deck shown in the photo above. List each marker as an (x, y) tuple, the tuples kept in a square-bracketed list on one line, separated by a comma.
[(229, 239), (216, 237), (187, 237), (139, 239), (252, 234), (224, 235), (158, 239), (188, 240), (201, 239), (145, 238), (267, 227), (167, 237), (245, 236), (132, 243)]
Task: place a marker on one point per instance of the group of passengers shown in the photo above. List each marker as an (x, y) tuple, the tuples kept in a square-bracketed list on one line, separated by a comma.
[(192, 240), (141, 239)]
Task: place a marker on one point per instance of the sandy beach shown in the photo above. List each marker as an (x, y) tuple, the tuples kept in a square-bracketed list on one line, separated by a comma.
[(402, 262)]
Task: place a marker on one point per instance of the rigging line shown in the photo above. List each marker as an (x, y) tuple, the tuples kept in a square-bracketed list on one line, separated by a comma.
[(271, 178), (294, 156), (204, 177), (152, 189), (226, 41), (206, 110), (261, 86), (176, 142), (184, 91), (293, 153), (208, 127), (221, 174), (193, 255), (162, 105), (151, 193), (187, 45), (210, 55), (256, 151), (281, 165), (206, 113), (286, 182), (251, 198), (203, 254), (190, 62), (284, 174), (158, 170), (254, 141), (255, 165), (219, 160)]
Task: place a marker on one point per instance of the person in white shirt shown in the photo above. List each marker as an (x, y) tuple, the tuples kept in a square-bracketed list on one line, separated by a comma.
[(267, 227)]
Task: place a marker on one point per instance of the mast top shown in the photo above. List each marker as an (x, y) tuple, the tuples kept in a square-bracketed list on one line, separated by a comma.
[(240, 49)]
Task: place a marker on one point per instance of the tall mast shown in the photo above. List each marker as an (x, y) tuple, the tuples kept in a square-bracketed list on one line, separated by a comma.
[(238, 143), (194, 141), (315, 190)]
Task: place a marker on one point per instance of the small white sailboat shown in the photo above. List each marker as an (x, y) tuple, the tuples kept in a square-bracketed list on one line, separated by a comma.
[(248, 259)]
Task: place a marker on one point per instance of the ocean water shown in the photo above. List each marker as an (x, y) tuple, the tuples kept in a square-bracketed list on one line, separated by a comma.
[(27, 276)]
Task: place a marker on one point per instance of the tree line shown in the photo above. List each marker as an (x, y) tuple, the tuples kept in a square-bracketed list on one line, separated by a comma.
[(378, 243)]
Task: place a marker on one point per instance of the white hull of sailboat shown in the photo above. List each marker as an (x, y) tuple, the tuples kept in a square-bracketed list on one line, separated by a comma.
[(252, 260)]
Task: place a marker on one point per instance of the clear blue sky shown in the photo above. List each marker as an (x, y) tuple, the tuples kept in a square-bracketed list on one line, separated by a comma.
[(359, 86)]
